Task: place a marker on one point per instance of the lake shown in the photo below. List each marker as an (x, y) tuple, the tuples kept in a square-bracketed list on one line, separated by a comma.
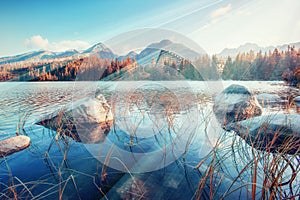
[(151, 152)]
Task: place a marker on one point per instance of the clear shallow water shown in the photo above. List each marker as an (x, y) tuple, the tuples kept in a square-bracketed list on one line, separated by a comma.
[(82, 173)]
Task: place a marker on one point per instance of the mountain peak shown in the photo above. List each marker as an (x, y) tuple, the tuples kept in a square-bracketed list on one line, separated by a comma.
[(72, 50), (249, 45), (161, 44), (165, 42), (99, 44), (97, 48), (177, 48), (101, 49), (232, 52), (132, 53)]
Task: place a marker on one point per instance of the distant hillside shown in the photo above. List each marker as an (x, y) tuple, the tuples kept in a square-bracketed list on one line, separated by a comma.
[(36, 55), (232, 52), (163, 60), (104, 52), (168, 45)]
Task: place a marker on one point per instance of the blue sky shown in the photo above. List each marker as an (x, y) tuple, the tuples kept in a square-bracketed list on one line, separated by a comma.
[(58, 25)]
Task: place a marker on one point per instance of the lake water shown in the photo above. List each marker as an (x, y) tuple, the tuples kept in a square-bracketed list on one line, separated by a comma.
[(49, 168)]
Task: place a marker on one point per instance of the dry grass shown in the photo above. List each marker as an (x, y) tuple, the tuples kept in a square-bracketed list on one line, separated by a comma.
[(247, 171)]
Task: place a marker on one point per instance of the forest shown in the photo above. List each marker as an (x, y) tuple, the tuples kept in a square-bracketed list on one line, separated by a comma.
[(276, 65), (247, 66)]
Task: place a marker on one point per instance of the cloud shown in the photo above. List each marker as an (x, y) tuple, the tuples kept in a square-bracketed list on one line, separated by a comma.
[(214, 15), (39, 42), (36, 41), (220, 11)]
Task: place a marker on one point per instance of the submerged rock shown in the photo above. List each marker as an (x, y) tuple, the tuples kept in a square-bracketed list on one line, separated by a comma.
[(13, 145), (274, 133), (234, 104), (133, 188), (88, 121)]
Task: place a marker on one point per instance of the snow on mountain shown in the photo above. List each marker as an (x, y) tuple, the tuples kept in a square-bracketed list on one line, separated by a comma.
[(161, 44), (232, 52), (101, 50), (70, 52), (104, 52), (149, 52), (38, 55), (35, 55), (131, 55), (168, 45), (96, 48)]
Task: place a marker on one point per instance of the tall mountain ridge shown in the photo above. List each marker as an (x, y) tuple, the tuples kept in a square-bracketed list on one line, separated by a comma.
[(104, 52), (232, 52)]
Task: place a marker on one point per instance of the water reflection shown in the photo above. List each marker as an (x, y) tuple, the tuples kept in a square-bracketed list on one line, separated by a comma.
[(146, 120)]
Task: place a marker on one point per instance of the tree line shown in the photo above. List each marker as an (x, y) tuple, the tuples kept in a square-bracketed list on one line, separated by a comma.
[(267, 66), (276, 65)]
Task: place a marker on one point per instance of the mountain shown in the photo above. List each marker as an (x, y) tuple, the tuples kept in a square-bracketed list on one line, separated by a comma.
[(147, 54), (168, 45), (232, 52), (161, 44), (131, 55), (101, 50), (70, 52), (38, 55), (285, 46), (35, 55)]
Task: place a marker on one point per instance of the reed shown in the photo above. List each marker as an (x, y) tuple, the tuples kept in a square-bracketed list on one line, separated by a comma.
[(255, 171)]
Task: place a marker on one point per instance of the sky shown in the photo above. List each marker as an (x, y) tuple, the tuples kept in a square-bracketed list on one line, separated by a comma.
[(59, 25)]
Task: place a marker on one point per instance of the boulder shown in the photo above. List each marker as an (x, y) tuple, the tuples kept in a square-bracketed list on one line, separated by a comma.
[(236, 89), (13, 145), (87, 121), (297, 101), (274, 133), (268, 99), (234, 104)]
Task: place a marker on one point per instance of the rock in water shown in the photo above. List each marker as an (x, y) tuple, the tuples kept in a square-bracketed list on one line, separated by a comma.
[(234, 104), (13, 145), (269, 99), (274, 133), (297, 101), (236, 89), (88, 121)]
